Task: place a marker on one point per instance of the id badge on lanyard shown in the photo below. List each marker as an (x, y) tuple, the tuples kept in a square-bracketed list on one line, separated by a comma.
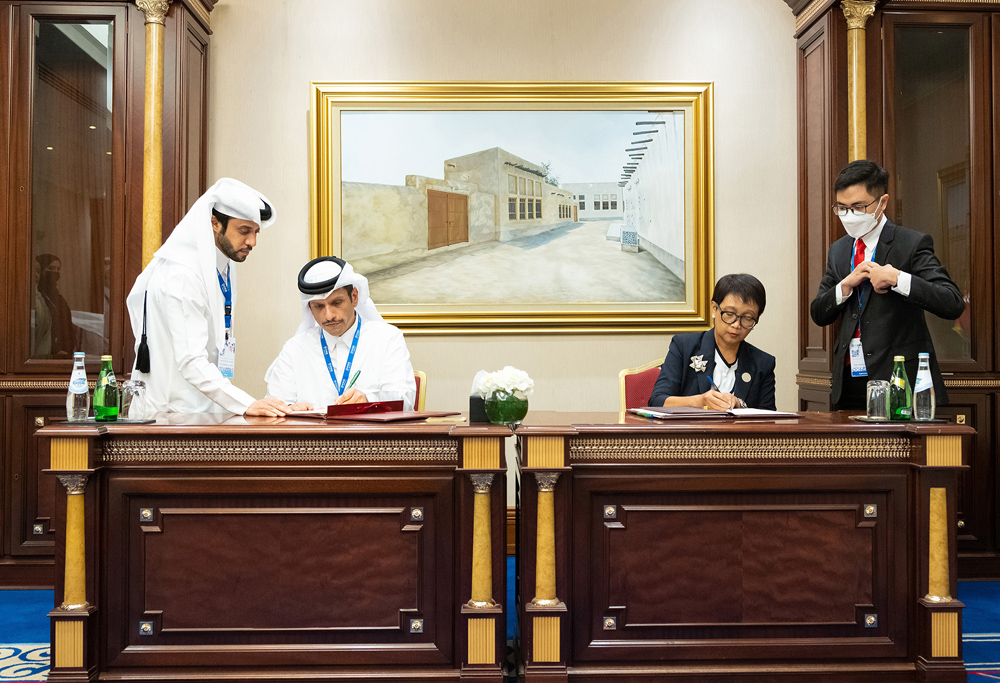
[(227, 356)]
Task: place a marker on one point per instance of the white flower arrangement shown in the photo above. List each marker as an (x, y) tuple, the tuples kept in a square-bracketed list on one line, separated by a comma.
[(509, 380)]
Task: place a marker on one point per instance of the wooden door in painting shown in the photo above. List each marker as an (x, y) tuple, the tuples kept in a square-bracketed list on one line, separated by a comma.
[(447, 218)]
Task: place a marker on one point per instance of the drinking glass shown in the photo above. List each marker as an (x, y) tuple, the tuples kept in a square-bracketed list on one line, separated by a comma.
[(878, 399), (133, 393)]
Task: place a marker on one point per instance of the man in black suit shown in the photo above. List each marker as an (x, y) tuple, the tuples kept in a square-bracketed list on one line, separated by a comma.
[(880, 278)]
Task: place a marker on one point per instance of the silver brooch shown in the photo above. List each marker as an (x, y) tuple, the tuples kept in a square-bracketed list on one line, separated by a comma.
[(698, 363)]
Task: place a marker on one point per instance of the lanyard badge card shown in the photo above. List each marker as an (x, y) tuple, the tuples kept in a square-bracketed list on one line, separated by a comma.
[(227, 355)]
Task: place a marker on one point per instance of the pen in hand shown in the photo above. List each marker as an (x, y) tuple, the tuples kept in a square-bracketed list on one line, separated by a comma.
[(712, 382), (353, 379)]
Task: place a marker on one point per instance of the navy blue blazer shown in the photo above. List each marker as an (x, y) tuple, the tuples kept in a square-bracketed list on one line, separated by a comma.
[(678, 378)]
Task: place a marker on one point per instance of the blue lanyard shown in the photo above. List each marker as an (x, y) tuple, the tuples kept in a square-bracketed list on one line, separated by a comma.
[(862, 286), (350, 359), (227, 292)]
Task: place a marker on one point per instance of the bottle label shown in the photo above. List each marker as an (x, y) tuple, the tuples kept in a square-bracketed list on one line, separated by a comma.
[(106, 380), (898, 381), (923, 384), (78, 384)]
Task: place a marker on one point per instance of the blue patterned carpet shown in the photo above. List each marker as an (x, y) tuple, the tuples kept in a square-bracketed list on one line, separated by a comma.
[(24, 625)]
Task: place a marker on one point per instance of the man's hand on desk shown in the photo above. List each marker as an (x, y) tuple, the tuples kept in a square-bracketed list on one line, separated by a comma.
[(351, 396), (857, 277), (716, 400), (268, 407), (884, 278)]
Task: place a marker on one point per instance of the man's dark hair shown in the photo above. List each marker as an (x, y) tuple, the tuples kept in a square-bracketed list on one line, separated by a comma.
[(222, 218), (349, 289), (742, 286), (874, 177)]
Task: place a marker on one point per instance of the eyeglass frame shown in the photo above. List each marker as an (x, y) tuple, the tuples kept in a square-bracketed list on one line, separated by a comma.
[(854, 209), (742, 319)]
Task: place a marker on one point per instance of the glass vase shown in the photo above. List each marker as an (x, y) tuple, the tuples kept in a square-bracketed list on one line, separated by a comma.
[(505, 408)]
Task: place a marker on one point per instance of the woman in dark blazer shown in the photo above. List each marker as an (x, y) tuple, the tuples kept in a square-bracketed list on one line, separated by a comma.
[(743, 373)]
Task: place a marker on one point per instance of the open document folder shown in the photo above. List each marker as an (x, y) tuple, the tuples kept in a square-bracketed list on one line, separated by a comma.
[(687, 413)]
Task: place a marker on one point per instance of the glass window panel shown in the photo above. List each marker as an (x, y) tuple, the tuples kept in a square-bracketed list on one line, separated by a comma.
[(512, 208), (521, 212), (614, 205), (605, 205), (531, 209), (71, 191), (538, 208), (597, 205), (583, 206), (931, 181)]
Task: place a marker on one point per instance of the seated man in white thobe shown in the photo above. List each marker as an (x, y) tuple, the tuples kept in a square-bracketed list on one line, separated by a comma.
[(182, 307), (343, 351)]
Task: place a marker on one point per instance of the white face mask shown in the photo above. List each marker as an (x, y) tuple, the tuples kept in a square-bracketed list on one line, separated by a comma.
[(859, 226)]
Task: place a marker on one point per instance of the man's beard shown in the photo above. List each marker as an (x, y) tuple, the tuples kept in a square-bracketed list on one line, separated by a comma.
[(226, 247)]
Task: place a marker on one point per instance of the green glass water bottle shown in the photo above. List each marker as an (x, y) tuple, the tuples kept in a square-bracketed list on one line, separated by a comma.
[(106, 395), (900, 394)]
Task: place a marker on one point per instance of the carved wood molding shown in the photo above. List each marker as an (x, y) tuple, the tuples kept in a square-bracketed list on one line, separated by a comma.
[(279, 450), (974, 383), (38, 384), (739, 448)]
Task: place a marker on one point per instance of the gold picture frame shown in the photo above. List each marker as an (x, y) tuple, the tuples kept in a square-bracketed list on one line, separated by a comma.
[(330, 101)]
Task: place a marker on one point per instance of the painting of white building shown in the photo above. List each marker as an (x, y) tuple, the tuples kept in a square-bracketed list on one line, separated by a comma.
[(440, 207)]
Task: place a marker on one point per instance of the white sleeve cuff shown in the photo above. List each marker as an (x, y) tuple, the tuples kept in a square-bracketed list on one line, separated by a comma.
[(841, 297), (902, 284)]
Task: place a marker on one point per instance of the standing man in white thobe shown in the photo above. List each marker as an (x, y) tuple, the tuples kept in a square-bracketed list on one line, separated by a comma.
[(341, 335), (183, 303)]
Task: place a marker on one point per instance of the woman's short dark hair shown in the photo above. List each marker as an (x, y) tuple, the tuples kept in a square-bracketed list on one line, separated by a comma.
[(871, 175), (742, 286)]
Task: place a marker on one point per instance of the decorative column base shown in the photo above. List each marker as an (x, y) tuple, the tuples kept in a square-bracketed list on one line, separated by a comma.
[(940, 660), (70, 660)]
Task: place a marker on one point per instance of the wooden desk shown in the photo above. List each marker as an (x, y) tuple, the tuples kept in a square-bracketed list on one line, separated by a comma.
[(279, 550), (811, 549)]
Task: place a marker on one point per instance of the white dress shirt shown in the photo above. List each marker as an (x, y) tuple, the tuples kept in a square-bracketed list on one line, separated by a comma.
[(871, 242), (299, 373), (724, 375)]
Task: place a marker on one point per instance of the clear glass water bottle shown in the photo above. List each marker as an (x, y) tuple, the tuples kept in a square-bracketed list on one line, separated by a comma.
[(106, 398), (923, 391), (78, 396)]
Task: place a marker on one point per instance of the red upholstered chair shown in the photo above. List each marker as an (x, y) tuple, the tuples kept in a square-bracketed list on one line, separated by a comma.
[(635, 385), (420, 378)]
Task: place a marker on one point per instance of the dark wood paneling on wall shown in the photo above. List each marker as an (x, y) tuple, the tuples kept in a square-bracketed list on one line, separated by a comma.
[(974, 383), (36, 388)]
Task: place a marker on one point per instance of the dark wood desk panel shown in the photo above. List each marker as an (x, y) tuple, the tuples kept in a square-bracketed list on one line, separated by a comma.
[(292, 549), (753, 549)]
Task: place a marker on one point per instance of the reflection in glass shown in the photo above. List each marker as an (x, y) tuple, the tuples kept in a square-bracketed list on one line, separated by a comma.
[(932, 158), (71, 187)]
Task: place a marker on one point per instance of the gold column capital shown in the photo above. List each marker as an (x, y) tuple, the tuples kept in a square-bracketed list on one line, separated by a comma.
[(75, 484), (546, 481), (857, 12), (481, 483), (155, 11)]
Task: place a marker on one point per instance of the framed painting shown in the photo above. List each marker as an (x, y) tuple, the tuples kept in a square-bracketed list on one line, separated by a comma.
[(519, 207)]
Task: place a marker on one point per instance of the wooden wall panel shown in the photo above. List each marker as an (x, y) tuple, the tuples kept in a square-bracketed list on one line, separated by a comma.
[(365, 573), (316, 569), (799, 565)]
